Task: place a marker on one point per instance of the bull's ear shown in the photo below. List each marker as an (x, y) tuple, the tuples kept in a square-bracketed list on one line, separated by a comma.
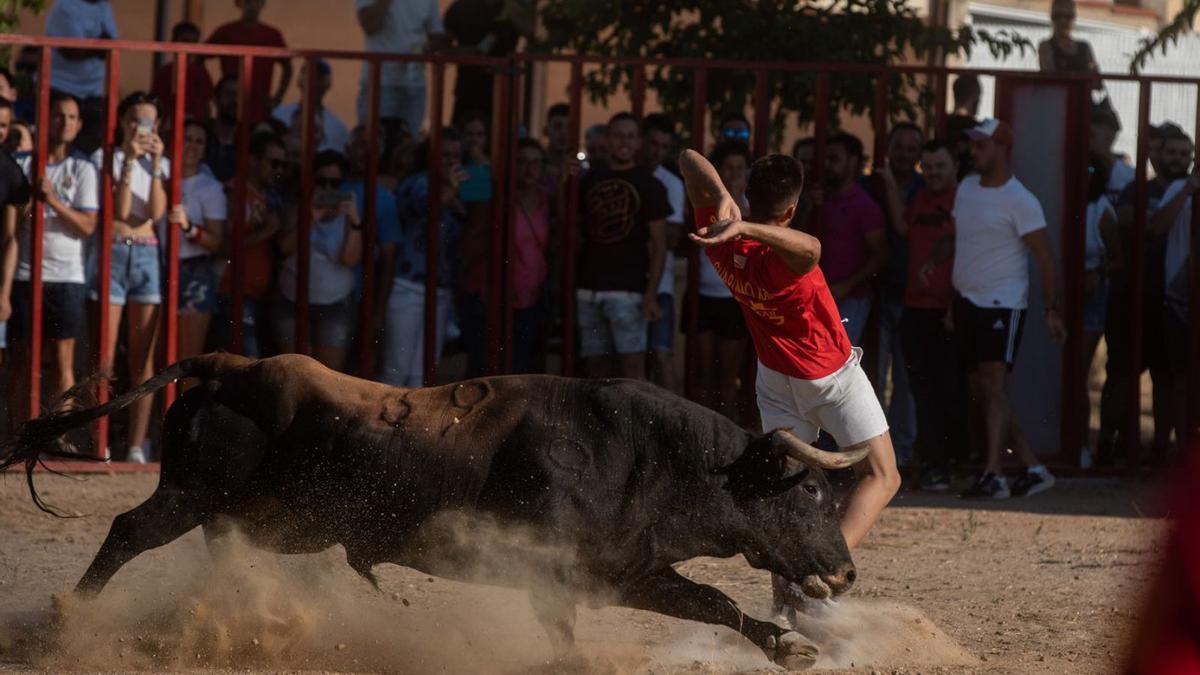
[(761, 471)]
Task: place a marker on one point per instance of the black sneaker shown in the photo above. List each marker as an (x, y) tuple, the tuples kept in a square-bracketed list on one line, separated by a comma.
[(989, 486), (1032, 482), (934, 480)]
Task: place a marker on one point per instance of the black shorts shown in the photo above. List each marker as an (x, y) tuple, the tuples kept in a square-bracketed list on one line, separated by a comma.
[(722, 316), (62, 311), (987, 334)]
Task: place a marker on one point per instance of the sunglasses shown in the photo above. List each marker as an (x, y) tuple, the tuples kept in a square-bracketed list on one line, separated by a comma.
[(740, 134), (328, 183)]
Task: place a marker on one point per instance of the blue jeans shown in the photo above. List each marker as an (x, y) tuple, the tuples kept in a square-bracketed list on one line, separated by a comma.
[(902, 408), (855, 311)]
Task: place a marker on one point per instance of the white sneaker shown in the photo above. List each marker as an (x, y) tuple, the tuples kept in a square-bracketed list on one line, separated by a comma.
[(137, 455)]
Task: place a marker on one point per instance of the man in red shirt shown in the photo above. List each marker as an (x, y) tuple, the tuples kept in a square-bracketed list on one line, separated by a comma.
[(937, 380), (809, 376), (198, 93), (250, 31)]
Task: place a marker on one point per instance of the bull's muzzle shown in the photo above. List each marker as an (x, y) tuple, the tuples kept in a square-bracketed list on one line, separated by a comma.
[(823, 586)]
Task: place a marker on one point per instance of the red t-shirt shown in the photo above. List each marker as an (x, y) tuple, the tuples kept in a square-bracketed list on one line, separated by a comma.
[(258, 35), (930, 217), (793, 320), (199, 94)]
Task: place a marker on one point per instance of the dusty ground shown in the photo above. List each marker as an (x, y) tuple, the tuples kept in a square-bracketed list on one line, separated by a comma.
[(1046, 585)]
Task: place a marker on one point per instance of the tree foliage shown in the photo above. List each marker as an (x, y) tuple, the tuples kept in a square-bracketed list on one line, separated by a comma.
[(1167, 36), (10, 20), (848, 31)]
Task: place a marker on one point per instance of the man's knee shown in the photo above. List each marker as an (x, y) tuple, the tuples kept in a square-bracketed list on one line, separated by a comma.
[(880, 464)]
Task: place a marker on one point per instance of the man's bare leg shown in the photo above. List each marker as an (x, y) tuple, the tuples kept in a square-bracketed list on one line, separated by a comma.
[(878, 482)]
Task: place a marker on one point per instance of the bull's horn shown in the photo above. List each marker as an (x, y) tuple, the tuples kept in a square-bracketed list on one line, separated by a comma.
[(803, 452)]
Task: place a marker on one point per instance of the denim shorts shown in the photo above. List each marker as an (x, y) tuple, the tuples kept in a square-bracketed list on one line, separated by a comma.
[(197, 285), (136, 274), (63, 315), (610, 322), (330, 325), (661, 337)]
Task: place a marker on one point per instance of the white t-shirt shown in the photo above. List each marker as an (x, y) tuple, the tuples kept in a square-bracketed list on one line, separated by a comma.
[(83, 78), (203, 199), (329, 281), (991, 261), (1093, 258), (675, 197), (141, 182), (77, 185), (404, 31), (334, 131), (1179, 242)]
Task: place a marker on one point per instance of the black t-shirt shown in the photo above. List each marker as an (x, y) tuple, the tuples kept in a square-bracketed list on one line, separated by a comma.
[(1155, 251), (14, 188), (617, 207), (469, 22)]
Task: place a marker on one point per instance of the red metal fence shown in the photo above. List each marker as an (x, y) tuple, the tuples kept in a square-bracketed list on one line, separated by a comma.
[(507, 74)]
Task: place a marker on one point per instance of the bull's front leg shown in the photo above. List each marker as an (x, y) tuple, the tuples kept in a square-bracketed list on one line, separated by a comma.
[(673, 594)]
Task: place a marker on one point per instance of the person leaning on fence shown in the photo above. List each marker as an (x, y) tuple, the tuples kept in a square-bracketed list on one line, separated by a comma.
[(335, 251), (1174, 220), (623, 211), (201, 219), (998, 224), (14, 198), (69, 192), (937, 381), (720, 327), (1170, 155), (853, 240), (404, 250), (267, 208), (657, 147), (135, 286)]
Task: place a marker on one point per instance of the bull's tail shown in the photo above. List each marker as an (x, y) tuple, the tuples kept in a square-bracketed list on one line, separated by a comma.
[(44, 435)]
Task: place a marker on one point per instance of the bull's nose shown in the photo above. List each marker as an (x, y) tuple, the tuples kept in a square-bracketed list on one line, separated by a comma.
[(842, 580)]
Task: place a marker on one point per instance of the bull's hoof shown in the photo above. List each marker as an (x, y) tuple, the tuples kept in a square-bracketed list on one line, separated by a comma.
[(794, 652)]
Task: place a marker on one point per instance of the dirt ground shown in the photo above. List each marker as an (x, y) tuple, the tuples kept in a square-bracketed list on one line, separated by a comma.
[(1051, 584)]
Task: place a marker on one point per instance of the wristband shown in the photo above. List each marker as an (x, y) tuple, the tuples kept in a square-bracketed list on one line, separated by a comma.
[(194, 233)]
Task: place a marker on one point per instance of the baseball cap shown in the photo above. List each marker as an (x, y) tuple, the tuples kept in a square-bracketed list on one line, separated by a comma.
[(997, 130)]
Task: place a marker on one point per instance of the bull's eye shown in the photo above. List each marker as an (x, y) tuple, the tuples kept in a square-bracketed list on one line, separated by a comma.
[(811, 489)]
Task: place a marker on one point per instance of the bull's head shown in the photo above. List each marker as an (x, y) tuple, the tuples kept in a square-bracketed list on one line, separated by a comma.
[(789, 517)]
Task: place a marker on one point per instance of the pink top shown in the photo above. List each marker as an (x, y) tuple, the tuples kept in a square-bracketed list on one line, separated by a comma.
[(846, 220), (531, 233)]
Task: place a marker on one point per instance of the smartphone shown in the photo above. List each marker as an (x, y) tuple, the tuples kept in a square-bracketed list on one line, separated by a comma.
[(145, 126), (327, 199)]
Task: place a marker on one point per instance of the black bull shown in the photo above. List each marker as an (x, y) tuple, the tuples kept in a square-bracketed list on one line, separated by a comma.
[(610, 482)]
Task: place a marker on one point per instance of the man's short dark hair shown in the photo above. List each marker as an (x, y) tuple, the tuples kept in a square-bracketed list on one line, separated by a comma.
[(966, 87), (530, 143), (659, 122), (59, 96), (228, 79), (264, 139), (326, 158), (558, 110), (905, 126), (135, 99), (6, 104), (733, 116), (774, 186), (939, 144), (1104, 115), (848, 142), (184, 27), (727, 149), (621, 116), (196, 122), (806, 142)]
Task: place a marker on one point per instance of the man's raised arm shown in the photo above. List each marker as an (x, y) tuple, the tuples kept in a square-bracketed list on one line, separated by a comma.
[(799, 251)]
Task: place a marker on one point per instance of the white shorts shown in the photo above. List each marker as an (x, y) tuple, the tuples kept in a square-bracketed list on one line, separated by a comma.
[(843, 404)]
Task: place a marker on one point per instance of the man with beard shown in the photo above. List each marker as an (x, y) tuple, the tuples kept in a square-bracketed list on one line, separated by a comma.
[(1170, 154)]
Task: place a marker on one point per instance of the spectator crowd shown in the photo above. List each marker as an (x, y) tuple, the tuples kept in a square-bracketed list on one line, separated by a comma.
[(927, 256)]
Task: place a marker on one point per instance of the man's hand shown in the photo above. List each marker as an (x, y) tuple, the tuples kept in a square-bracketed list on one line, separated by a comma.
[(1054, 323), (178, 216), (349, 209), (719, 232), (45, 189), (650, 309)]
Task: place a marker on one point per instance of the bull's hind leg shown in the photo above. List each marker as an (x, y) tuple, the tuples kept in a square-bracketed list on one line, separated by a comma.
[(161, 519), (670, 593)]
